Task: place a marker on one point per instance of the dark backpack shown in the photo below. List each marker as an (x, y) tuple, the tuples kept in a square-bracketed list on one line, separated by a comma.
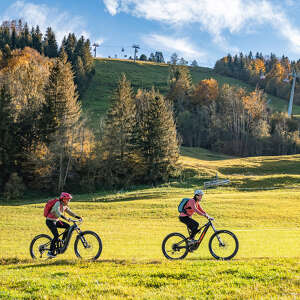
[(49, 206), (182, 204)]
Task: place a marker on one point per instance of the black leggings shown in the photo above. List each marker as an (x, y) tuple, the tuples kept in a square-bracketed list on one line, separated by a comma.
[(191, 224), (53, 225)]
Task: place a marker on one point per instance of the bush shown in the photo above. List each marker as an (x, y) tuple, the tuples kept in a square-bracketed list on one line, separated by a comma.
[(14, 187)]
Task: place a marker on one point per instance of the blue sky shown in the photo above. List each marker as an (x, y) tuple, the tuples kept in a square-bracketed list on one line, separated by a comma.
[(204, 30)]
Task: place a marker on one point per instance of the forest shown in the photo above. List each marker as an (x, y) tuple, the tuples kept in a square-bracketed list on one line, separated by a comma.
[(47, 146), (270, 73)]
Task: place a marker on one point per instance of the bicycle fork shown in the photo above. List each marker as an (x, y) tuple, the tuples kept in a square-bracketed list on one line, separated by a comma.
[(82, 238), (219, 239)]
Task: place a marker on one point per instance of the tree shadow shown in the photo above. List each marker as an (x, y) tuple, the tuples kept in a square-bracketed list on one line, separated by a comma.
[(265, 167), (105, 197), (31, 264), (268, 183)]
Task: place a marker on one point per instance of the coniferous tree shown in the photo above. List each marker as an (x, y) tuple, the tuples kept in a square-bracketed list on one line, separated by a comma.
[(156, 137), (61, 114), (80, 77), (36, 37), (7, 137), (14, 38), (61, 109), (50, 44), (180, 84), (70, 46), (118, 166), (87, 59), (25, 38)]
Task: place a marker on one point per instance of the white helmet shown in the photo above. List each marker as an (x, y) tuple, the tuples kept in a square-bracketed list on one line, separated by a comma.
[(199, 192)]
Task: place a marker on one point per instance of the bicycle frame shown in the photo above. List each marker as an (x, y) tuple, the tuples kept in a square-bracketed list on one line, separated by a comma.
[(68, 238), (206, 227)]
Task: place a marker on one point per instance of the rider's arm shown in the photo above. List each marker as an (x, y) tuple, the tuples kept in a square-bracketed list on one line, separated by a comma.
[(198, 209), (69, 212)]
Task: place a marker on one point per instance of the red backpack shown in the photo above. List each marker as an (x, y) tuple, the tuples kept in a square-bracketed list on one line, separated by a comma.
[(49, 206)]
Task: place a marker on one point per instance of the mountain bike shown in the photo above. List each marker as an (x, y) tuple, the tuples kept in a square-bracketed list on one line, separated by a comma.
[(87, 245), (223, 244)]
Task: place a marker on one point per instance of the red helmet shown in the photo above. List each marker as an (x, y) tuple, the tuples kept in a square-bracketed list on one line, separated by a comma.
[(65, 196)]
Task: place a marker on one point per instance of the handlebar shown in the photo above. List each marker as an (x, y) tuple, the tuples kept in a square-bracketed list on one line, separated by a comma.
[(76, 221)]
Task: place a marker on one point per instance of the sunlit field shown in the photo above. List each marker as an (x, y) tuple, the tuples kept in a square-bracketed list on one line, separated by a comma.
[(133, 223)]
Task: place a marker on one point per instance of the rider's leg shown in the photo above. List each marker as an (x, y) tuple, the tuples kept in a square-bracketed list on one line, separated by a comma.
[(61, 224), (52, 226), (191, 224)]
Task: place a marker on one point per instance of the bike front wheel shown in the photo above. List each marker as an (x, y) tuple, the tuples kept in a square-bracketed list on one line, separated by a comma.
[(39, 246), (175, 246), (88, 245), (223, 245)]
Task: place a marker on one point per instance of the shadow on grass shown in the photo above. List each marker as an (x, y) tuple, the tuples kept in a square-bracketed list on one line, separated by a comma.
[(21, 264), (267, 183), (101, 196), (266, 167), (203, 154)]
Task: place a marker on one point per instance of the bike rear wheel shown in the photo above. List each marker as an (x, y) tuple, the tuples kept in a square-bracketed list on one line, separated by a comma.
[(88, 245), (223, 245), (39, 246), (175, 246)]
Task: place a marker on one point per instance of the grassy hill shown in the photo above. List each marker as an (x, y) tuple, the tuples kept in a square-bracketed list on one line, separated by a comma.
[(145, 75), (132, 224)]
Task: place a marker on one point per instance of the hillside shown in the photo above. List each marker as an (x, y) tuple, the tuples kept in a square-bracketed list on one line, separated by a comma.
[(145, 75), (244, 173), (133, 223)]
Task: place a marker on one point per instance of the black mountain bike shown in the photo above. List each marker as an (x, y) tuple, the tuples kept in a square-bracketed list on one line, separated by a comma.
[(87, 244), (223, 244)]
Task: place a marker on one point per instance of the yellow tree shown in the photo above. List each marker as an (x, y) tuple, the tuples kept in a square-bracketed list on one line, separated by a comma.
[(205, 92)]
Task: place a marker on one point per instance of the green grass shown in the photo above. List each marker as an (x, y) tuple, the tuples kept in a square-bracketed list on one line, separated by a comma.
[(133, 223), (145, 75)]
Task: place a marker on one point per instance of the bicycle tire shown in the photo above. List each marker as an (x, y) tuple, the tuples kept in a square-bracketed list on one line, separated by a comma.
[(225, 235), (83, 236), (174, 246), (41, 248)]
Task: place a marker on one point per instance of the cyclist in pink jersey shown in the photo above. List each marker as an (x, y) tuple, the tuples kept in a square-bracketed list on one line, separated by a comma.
[(191, 207), (53, 222)]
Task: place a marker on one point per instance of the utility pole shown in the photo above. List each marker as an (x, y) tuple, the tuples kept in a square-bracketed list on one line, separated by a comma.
[(135, 50), (95, 45), (294, 76)]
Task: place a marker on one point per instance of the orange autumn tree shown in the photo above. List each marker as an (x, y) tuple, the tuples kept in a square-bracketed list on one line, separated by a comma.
[(205, 92)]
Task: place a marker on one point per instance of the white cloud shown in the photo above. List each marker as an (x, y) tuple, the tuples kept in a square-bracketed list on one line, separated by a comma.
[(62, 23), (182, 46), (112, 6), (217, 17)]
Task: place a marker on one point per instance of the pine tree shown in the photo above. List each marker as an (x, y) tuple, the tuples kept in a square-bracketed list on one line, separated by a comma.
[(50, 44), (70, 46), (7, 136), (180, 87), (61, 114), (156, 137), (87, 59), (14, 39), (61, 109), (80, 78), (117, 136), (36, 37)]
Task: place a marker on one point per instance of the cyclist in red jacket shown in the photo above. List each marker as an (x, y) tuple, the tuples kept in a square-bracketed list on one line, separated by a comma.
[(53, 222), (191, 207)]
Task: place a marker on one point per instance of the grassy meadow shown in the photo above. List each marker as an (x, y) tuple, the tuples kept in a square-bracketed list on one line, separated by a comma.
[(145, 75), (132, 224)]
